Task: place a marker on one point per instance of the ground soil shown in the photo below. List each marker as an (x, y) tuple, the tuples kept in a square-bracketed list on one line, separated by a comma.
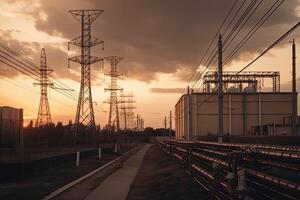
[(162, 178)]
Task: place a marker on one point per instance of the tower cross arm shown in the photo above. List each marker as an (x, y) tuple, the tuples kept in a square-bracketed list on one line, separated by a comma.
[(78, 42), (92, 14), (79, 59)]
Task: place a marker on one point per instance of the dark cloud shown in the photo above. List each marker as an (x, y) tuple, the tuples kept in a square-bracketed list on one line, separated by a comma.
[(160, 36), (167, 90)]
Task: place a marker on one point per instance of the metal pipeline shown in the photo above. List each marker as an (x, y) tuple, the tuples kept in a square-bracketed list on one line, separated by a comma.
[(210, 159), (274, 180)]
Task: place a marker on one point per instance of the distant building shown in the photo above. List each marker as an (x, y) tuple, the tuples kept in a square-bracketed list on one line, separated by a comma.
[(245, 113), (11, 127)]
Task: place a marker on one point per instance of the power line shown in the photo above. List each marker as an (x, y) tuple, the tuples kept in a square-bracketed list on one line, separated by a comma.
[(30, 74), (270, 47), (61, 84), (253, 30), (26, 62), (237, 24), (211, 43), (234, 16), (262, 20), (15, 83), (214, 51), (27, 69), (20, 85), (26, 73), (260, 55), (19, 55), (240, 28), (240, 20), (229, 24)]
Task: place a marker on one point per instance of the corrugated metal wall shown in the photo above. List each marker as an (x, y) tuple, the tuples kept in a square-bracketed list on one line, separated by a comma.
[(242, 111), (11, 127)]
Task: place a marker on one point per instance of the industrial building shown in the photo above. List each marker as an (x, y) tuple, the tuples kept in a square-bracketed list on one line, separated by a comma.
[(246, 109), (11, 127)]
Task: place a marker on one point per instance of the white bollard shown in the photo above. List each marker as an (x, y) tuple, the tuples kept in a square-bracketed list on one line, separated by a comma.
[(116, 148), (77, 158), (100, 153)]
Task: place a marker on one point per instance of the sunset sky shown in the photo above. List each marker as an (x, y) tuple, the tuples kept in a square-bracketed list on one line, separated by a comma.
[(161, 41)]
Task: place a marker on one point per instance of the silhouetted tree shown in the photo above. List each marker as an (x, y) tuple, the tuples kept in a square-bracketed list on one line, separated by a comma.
[(30, 125), (59, 124)]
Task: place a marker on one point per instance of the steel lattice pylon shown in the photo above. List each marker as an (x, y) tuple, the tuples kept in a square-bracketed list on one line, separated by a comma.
[(85, 112), (126, 106), (44, 116), (113, 118)]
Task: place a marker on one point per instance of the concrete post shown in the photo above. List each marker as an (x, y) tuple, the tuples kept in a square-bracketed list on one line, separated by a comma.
[(190, 117), (229, 115), (77, 158), (170, 124), (100, 153), (294, 92), (116, 148), (220, 89), (241, 183), (259, 114)]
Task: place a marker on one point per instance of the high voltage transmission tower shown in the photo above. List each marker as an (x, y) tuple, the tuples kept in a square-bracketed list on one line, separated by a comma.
[(113, 118), (44, 116), (130, 110), (139, 123), (85, 111), (126, 105), (123, 113)]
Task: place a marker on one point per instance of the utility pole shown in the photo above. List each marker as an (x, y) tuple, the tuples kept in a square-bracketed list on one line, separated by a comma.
[(44, 116), (294, 92), (170, 128), (113, 117), (137, 122), (85, 111), (125, 119), (140, 124), (125, 103), (165, 122), (220, 89)]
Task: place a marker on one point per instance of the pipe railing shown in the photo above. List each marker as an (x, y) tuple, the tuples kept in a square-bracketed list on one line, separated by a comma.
[(213, 163)]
